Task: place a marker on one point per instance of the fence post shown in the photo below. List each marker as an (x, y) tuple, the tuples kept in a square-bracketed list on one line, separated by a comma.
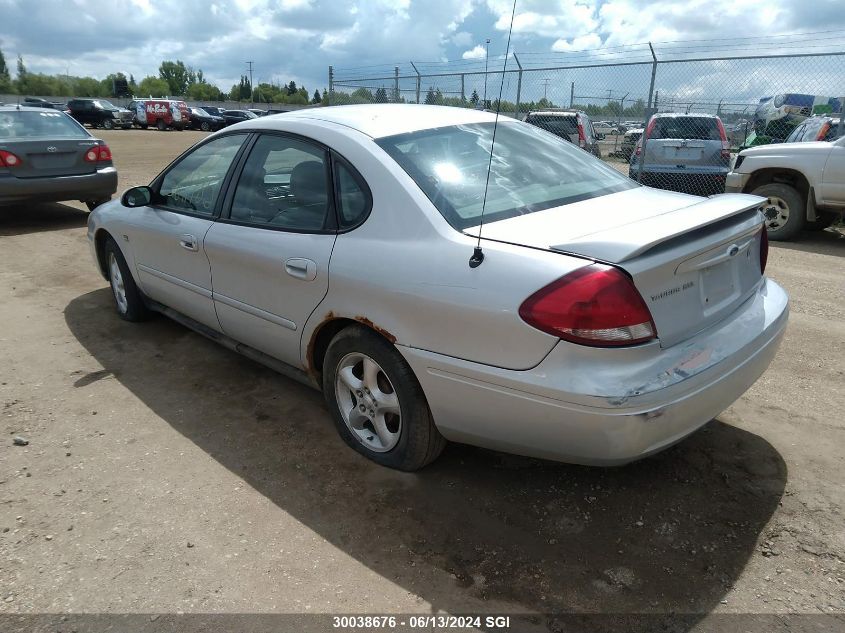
[(331, 83), (463, 92), (653, 75), (419, 78), (571, 94), (518, 86), (841, 116), (396, 84)]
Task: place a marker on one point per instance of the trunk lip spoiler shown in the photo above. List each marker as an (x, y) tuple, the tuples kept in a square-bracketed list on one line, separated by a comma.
[(612, 244)]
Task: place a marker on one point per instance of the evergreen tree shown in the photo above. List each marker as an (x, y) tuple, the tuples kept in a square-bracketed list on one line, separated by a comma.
[(317, 98), (430, 97), (292, 88), (5, 78), (474, 99), (381, 95), (22, 76)]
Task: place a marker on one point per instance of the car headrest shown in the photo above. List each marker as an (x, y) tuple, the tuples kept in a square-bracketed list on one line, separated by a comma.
[(308, 182)]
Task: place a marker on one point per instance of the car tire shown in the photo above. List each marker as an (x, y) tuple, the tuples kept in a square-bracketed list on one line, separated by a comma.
[(143, 126), (161, 126), (127, 298), (108, 124), (364, 405), (785, 212), (204, 126), (93, 204)]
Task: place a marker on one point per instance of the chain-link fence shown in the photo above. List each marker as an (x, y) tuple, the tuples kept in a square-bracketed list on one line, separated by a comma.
[(669, 118)]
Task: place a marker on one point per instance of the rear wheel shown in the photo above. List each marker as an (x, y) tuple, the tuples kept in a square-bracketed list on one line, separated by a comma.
[(785, 210), (127, 298), (108, 124), (377, 403), (204, 126), (161, 125)]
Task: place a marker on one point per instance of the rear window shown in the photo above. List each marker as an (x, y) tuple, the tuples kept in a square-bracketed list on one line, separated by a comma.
[(686, 127), (554, 124), (531, 170), (46, 124)]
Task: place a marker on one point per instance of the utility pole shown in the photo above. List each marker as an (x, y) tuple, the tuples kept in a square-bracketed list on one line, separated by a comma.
[(249, 63), (545, 87), (486, 62)]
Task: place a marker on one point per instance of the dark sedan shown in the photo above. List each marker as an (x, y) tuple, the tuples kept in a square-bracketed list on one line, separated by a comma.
[(236, 116), (199, 119), (214, 110), (46, 156)]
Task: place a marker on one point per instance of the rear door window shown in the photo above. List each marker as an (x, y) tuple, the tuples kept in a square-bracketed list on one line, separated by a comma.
[(562, 125)]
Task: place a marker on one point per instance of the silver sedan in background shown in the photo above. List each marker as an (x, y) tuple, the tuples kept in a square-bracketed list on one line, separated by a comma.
[(600, 321)]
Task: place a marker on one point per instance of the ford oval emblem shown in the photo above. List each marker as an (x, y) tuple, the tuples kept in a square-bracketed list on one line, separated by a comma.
[(52, 148), (733, 250)]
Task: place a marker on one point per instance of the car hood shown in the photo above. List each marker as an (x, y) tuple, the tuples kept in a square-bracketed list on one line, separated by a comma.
[(786, 149), (619, 226)]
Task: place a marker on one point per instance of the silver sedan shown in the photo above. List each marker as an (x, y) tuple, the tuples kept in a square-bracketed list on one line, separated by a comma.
[(560, 310)]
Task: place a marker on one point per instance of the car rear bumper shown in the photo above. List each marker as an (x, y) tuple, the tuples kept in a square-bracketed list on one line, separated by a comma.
[(600, 406), (97, 186), (693, 182)]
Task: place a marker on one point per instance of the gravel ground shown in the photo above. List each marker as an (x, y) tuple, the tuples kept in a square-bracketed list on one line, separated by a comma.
[(166, 474)]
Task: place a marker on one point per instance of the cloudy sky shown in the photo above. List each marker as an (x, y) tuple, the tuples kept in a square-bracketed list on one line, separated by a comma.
[(298, 39)]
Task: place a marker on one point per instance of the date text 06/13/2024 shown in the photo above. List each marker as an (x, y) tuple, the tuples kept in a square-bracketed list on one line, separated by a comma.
[(353, 622)]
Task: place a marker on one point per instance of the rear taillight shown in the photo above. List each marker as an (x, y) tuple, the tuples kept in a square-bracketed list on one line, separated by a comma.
[(98, 154), (582, 139), (764, 249), (595, 305), (7, 159), (726, 147), (639, 150), (649, 128)]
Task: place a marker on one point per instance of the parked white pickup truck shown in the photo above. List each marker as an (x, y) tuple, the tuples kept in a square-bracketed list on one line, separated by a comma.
[(804, 182)]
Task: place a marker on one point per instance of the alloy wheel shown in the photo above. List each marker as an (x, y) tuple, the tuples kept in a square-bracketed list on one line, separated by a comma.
[(368, 402), (777, 213), (117, 285)]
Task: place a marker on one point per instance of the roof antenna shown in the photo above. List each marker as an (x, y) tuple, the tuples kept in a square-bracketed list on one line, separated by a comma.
[(477, 253)]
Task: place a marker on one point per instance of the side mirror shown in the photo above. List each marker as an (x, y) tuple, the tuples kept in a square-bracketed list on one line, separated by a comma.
[(136, 197)]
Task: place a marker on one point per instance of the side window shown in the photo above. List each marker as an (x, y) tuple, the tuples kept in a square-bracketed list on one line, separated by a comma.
[(353, 200), (283, 185), (194, 183)]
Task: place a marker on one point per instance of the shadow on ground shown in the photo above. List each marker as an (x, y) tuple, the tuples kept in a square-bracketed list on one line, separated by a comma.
[(668, 534), (22, 219), (827, 242)]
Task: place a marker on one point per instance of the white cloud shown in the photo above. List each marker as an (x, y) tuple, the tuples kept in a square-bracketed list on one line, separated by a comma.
[(582, 43), (475, 53), (462, 38)]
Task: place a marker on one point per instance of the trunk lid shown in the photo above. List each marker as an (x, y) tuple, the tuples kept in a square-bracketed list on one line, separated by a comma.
[(694, 260), (43, 158)]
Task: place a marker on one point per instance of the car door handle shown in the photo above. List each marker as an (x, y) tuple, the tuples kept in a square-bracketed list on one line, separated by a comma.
[(189, 243), (301, 268)]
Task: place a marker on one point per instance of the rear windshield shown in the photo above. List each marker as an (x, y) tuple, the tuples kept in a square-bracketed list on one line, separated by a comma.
[(555, 124), (531, 170), (46, 124), (686, 127)]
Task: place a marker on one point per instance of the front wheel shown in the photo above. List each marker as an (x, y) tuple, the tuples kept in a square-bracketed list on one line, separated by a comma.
[(204, 126), (377, 404), (108, 124), (127, 298), (785, 210)]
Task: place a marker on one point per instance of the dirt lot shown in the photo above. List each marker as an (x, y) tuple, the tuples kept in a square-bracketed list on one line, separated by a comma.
[(166, 474)]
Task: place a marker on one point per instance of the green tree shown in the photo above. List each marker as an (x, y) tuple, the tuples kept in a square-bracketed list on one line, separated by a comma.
[(133, 87), (316, 98), (474, 99), (153, 87), (381, 95), (430, 97), (5, 77), (292, 88), (176, 75), (20, 81)]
